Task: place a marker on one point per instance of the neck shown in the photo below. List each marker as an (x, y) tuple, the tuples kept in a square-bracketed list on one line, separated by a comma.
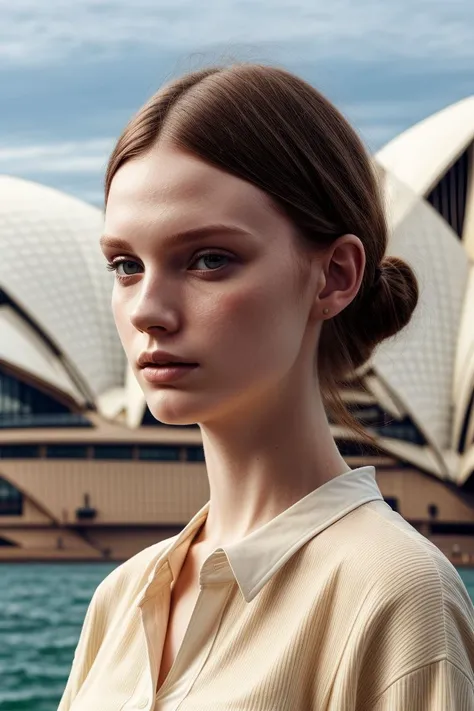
[(262, 462)]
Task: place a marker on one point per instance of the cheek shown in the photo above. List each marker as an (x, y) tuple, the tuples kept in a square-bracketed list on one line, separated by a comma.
[(122, 322), (238, 310), (249, 320)]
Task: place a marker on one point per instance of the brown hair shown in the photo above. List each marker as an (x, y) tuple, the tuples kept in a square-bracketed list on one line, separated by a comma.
[(276, 131)]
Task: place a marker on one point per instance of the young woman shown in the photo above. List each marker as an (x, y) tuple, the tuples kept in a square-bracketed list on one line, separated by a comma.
[(247, 235)]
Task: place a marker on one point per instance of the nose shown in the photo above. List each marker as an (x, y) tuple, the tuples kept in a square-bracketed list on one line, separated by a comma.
[(155, 306)]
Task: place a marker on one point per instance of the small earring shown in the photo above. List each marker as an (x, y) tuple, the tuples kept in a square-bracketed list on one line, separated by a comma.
[(325, 312)]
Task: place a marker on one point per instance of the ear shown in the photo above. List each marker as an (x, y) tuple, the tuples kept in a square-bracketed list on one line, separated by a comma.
[(343, 266)]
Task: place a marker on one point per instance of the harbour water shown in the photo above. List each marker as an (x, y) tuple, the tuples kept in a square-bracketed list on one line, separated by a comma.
[(42, 607)]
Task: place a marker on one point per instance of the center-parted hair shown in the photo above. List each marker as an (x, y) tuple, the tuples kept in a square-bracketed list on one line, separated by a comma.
[(273, 129)]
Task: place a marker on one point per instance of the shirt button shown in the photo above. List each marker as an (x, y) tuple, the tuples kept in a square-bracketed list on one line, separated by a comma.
[(143, 703)]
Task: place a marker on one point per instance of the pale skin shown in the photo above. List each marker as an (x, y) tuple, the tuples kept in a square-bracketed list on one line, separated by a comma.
[(250, 314)]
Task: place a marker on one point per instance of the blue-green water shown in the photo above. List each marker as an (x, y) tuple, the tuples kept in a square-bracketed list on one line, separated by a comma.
[(42, 608)]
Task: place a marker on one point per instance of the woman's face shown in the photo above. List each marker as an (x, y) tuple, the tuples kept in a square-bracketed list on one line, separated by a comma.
[(208, 270)]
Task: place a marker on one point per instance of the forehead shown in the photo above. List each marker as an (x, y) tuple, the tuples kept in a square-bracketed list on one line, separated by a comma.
[(172, 188)]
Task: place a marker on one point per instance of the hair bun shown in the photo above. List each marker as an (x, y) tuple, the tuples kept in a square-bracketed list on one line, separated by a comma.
[(392, 298), (383, 307)]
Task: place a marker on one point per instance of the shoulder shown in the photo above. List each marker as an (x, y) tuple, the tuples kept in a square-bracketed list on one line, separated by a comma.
[(401, 567), (390, 555), (414, 608), (406, 554)]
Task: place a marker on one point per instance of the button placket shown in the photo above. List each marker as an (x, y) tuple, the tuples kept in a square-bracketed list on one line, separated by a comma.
[(154, 622)]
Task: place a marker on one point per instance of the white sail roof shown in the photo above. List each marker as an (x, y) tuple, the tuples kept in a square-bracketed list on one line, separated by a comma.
[(420, 155), (418, 363), (53, 269), (22, 348)]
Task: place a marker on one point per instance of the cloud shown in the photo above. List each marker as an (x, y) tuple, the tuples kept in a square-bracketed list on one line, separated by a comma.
[(79, 160), (379, 121), (33, 32), (73, 157)]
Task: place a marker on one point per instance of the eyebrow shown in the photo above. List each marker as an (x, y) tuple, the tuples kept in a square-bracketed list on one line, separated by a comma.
[(191, 235)]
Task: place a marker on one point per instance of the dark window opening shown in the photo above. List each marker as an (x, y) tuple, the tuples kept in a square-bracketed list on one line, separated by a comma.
[(162, 453), (22, 405), (354, 448), (5, 542), (113, 451), (148, 419), (11, 499), (195, 454), (19, 451), (448, 197), (66, 451), (392, 501), (462, 445), (469, 483), (459, 529), (433, 510), (383, 424)]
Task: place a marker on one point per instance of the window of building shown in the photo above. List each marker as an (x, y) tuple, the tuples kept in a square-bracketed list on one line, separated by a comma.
[(11, 499), (5, 542), (159, 453), (66, 451), (449, 195), (392, 501), (19, 451), (469, 483), (113, 451), (368, 415), (150, 421), (382, 423), (353, 448), (463, 443), (458, 529), (22, 405), (404, 429), (195, 454)]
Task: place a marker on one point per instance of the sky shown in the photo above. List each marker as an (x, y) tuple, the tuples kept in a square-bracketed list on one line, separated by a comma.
[(72, 72)]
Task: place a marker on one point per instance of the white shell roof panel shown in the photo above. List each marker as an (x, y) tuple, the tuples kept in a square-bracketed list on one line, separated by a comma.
[(53, 268), (21, 347), (418, 363)]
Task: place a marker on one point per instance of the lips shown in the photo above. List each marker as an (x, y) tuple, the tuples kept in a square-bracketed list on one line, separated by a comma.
[(161, 359), (168, 364), (156, 374)]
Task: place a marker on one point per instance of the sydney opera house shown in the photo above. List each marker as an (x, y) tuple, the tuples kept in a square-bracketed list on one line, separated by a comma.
[(86, 473)]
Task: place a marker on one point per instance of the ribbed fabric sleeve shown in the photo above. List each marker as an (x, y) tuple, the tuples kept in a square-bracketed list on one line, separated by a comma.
[(436, 687)]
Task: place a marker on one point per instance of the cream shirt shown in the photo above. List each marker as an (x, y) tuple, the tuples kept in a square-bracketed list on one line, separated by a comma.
[(336, 604)]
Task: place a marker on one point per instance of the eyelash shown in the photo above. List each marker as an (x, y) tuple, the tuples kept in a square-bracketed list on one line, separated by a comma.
[(112, 266)]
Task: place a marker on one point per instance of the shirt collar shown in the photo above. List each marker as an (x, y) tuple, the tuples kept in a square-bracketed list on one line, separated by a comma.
[(256, 558)]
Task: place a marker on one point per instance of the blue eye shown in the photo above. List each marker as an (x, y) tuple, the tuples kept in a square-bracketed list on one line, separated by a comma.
[(126, 264), (213, 261)]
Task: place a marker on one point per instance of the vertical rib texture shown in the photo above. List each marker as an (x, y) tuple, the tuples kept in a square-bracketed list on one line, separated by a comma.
[(367, 615)]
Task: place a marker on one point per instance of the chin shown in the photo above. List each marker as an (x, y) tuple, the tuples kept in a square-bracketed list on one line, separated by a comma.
[(172, 418), (171, 408), (179, 407)]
